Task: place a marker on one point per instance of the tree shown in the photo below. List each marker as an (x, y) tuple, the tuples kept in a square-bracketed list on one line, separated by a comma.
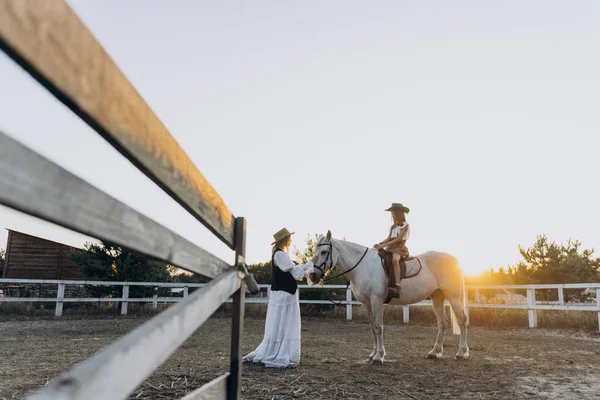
[(262, 272), (2, 258), (108, 262), (548, 262)]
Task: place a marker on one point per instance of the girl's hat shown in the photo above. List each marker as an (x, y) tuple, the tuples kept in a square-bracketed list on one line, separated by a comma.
[(398, 206)]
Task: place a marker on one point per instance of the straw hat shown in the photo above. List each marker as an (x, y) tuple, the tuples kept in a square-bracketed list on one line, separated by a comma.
[(281, 234), (398, 206)]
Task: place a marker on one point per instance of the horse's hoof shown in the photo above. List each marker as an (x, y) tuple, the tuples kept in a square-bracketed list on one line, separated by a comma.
[(376, 361), (462, 356), (434, 356)]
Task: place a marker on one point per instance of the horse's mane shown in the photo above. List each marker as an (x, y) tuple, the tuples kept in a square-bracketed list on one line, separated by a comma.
[(321, 238)]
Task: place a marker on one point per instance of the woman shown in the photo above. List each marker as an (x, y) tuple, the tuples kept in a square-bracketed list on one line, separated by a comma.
[(280, 347), (395, 243)]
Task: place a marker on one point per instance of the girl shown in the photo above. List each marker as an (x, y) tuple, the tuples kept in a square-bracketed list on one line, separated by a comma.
[(280, 347), (395, 243)]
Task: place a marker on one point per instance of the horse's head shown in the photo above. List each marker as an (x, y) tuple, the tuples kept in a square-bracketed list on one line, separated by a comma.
[(326, 257)]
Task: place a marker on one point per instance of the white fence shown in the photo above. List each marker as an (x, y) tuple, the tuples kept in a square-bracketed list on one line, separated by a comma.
[(527, 302)]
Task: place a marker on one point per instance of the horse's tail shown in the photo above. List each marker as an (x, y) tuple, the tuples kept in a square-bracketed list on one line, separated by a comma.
[(463, 294)]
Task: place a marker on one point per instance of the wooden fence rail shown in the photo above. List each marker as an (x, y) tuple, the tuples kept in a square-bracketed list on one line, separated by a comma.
[(52, 44)]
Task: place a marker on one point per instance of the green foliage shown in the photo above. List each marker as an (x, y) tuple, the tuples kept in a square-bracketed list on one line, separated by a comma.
[(108, 262), (548, 262), (262, 272)]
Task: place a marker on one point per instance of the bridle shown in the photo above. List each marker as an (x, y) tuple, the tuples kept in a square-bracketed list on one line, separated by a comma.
[(330, 259)]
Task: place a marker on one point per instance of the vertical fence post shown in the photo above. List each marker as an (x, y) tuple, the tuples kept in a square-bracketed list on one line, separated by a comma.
[(405, 314), (268, 292), (598, 302), (124, 303), (349, 304), (234, 381), (155, 300), (186, 291), (531, 308), (561, 296), (60, 295), (477, 298)]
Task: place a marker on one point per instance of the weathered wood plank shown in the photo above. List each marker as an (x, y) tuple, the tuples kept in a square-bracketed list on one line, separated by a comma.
[(34, 185), (213, 390), (49, 41), (121, 367)]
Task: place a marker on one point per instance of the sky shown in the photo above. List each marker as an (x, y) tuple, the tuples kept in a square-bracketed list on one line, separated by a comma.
[(481, 116)]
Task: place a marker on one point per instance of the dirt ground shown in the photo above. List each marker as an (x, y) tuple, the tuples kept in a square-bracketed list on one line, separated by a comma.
[(504, 364)]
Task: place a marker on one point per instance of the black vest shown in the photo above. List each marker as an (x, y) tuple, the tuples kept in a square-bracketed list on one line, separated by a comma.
[(282, 280)]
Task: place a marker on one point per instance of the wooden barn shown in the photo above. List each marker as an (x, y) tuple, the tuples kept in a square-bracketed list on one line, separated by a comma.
[(30, 257)]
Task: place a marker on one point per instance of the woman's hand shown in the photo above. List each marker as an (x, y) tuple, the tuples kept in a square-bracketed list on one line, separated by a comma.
[(378, 246), (310, 283)]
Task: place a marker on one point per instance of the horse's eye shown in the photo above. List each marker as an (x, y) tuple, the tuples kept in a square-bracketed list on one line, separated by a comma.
[(323, 252)]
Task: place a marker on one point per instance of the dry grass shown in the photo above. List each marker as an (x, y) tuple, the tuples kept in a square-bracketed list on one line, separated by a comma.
[(483, 317)]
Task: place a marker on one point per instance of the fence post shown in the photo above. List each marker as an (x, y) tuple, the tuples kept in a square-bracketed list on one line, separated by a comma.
[(186, 291), (234, 381), (60, 295), (598, 302), (405, 314), (531, 308), (349, 304), (561, 296), (477, 298), (155, 299), (124, 302)]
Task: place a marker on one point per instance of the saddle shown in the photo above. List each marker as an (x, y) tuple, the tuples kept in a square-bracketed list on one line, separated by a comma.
[(409, 267)]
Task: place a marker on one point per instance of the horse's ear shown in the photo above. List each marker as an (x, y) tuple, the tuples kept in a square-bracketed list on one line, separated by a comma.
[(328, 235)]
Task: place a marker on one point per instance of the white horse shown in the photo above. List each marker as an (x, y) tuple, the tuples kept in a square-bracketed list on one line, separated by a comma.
[(440, 278)]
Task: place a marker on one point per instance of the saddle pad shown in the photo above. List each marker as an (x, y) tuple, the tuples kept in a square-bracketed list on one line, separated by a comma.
[(413, 267)]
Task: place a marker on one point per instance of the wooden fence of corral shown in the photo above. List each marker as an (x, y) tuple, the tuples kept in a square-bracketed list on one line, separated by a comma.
[(52, 44)]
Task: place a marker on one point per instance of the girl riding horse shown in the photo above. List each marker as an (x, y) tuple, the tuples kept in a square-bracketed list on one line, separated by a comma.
[(395, 243)]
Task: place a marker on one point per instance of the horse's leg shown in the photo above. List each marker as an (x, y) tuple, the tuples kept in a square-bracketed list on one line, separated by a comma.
[(463, 348), (437, 300), (373, 334), (378, 319)]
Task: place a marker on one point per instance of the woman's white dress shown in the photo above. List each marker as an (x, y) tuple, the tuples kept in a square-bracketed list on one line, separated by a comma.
[(280, 347)]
